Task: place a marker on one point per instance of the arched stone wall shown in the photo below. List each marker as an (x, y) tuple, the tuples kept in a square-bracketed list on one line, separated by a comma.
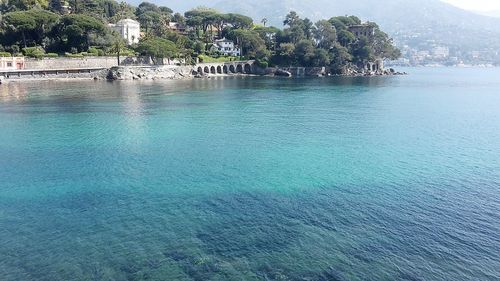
[(225, 68)]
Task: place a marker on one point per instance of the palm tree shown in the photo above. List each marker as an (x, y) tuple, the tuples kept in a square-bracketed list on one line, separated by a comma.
[(264, 21), (117, 47)]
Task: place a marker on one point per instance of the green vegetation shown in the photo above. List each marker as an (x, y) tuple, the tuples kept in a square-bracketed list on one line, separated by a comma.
[(41, 28), (205, 58)]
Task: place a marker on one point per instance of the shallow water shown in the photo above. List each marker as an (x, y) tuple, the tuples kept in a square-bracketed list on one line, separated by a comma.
[(384, 178)]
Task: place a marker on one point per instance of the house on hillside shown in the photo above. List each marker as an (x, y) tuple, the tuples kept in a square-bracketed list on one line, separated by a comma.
[(129, 29), (226, 47), (362, 30), (177, 27)]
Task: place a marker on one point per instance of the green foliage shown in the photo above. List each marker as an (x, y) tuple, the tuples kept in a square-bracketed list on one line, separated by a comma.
[(70, 55), (77, 31), (93, 51), (5, 54), (34, 52), (157, 48), (51, 55), (205, 58), (84, 32)]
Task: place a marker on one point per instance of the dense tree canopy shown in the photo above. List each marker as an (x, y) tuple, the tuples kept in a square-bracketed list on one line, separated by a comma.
[(81, 26)]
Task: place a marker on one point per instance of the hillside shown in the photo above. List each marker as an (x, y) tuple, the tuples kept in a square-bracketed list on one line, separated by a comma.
[(421, 24)]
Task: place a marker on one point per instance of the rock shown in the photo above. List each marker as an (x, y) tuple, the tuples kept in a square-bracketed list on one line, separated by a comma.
[(282, 73)]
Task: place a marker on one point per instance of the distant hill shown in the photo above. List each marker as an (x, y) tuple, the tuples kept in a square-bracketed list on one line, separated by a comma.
[(495, 14), (410, 22)]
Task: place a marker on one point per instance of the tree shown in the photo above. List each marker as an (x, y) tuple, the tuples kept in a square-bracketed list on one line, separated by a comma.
[(117, 47), (361, 51), (76, 31), (264, 21), (292, 19), (308, 26), (27, 4), (268, 34), (251, 44), (239, 21), (382, 45), (346, 38), (304, 52), (157, 48), (22, 22), (286, 54), (320, 58), (340, 57), (325, 34)]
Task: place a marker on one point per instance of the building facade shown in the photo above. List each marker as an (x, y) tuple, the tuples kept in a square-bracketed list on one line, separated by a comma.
[(226, 47), (11, 63), (129, 29), (362, 30), (177, 27)]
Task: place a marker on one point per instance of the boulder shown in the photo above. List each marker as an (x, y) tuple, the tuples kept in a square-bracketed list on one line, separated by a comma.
[(282, 73)]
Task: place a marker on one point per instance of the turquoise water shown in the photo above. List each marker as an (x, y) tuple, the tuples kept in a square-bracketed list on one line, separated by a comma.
[(386, 178)]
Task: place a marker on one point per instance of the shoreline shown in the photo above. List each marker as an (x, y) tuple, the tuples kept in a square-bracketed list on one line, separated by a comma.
[(163, 73)]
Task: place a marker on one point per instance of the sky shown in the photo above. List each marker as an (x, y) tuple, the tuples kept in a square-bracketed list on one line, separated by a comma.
[(476, 5)]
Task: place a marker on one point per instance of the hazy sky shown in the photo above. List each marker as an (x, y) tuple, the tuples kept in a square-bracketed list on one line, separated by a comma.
[(476, 5)]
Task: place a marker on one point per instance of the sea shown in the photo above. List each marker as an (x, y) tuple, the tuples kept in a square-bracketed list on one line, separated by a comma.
[(253, 178)]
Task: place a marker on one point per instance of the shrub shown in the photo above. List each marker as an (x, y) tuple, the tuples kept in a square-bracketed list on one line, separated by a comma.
[(34, 52), (51, 55), (261, 63), (5, 54), (69, 55), (93, 51)]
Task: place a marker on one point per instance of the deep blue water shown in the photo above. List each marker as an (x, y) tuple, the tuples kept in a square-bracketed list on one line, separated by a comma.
[(386, 178)]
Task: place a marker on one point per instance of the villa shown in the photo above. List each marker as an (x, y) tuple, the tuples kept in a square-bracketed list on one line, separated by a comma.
[(226, 47), (129, 29), (362, 30)]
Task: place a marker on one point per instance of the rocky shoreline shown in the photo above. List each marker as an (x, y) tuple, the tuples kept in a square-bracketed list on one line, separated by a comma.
[(172, 72)]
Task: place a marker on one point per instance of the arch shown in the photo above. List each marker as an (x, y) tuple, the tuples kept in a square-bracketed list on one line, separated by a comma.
[(219, 69), (374, 67), (248, 68), (239, 68), (232, 69), (225, 69), (212, 69), (368, 66), (206, 69), (200, 70)]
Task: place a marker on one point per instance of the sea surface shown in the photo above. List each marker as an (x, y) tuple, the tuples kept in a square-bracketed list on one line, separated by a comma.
[(382, 178)]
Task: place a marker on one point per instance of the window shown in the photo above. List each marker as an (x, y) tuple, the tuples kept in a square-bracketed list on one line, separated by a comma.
[(9, 64)]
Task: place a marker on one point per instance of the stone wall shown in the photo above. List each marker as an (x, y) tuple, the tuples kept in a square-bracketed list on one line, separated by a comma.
[(90, 62), (70, 63)]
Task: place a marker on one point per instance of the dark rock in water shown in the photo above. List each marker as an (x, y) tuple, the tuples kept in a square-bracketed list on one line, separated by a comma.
[(283, 73), (111, 75)]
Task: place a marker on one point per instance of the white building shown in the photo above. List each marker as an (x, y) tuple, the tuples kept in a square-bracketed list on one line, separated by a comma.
[(129, 29), (11, 63), (226, 47), (441, 52)]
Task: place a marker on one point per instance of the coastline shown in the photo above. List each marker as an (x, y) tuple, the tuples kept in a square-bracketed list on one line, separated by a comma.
[(170, 72)]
